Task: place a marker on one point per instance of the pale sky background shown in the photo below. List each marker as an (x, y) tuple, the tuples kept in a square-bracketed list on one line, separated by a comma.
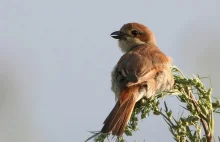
[(56, 58)]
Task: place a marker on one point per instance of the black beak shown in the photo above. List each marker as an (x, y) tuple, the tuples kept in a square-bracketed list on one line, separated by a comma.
[(118, 34)]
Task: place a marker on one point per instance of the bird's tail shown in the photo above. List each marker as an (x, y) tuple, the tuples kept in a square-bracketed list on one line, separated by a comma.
[(121, 113)]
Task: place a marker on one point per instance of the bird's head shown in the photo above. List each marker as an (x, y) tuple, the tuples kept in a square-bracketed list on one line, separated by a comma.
[(133, 34)]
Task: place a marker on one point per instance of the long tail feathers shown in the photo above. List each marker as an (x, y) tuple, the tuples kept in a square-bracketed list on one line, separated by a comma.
[(121, 113)]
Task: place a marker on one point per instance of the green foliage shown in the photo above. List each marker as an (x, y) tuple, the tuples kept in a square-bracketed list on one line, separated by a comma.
[(195, 99)]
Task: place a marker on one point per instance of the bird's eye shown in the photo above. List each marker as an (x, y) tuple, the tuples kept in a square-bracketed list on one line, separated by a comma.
[(134, 32)]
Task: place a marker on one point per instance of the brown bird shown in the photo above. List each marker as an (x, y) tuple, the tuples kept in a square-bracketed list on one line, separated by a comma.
[(142, 71)]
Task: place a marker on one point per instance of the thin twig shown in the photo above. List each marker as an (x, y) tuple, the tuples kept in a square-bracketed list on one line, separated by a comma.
[(203, 121)]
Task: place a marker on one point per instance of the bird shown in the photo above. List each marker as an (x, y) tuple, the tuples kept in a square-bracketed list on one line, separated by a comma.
[(142, 71)]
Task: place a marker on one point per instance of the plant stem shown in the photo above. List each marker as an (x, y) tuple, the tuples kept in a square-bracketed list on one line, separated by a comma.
[(203, 121)]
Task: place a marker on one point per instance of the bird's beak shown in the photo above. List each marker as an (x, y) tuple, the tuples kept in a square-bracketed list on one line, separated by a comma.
[(118, 34)]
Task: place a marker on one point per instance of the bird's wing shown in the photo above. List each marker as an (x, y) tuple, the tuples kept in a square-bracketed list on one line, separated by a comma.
[(140, 64)]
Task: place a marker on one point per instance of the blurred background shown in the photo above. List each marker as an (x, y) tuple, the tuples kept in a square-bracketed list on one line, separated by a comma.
[(56, 58)]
